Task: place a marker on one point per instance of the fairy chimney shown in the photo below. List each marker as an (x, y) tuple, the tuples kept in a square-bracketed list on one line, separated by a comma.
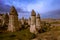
[(33, 22), (22, 21), (38, 22), (13, 20), (6, 19), (1, 19)]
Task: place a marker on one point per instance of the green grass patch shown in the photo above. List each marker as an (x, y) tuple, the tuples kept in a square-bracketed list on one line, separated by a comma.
[(19, 35)]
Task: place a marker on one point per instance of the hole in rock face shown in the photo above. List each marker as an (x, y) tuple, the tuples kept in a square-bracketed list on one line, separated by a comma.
[(12, 10)]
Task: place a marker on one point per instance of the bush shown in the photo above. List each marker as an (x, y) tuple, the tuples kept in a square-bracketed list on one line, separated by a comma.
[(12, 35), (33, 36), (45, 27)]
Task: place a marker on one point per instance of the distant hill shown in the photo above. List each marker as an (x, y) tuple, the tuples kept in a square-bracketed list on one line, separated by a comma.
[(55, 14)]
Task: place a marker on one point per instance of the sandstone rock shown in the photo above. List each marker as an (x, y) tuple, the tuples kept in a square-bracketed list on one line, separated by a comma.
[(33, 22), (13, 20)]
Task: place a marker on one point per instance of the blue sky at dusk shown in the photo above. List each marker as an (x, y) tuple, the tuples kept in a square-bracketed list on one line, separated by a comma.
[(47, 8)]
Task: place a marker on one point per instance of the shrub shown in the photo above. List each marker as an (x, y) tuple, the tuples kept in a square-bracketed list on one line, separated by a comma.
[(45, 27)]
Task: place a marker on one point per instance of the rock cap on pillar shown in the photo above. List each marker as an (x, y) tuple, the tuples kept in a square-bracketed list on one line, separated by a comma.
[(13, 11), (38, 15), (33, 13)]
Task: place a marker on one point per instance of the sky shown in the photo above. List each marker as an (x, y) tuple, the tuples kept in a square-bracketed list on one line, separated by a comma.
[(24, 7)]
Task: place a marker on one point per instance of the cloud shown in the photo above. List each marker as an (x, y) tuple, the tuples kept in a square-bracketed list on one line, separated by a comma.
[(38, 5), (44, 6), (21, 10), (6, 8), (52, 14), (24, 7), (27, 2)]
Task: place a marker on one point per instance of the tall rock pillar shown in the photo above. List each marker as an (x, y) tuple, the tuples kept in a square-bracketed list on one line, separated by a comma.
[(33, 22), (38, 22), (13, 20), (22, 21), (6, 19)]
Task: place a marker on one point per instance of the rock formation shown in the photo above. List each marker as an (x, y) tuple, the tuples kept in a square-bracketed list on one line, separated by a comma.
[(2, 19), (6, 19), (38, 22), (33, 22), (22, 21), (29, 21), (13, 20)]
